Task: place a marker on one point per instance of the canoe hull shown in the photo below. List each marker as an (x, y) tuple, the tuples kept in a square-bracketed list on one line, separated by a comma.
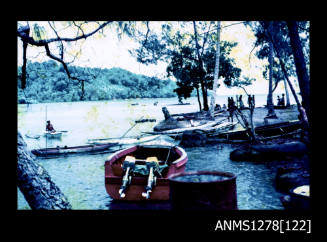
[(114, 175), (270, 130), (124, 141), (69, 150), (55, 135)]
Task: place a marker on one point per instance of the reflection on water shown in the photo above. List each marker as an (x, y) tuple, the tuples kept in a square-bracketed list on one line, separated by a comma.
[(81, 177)]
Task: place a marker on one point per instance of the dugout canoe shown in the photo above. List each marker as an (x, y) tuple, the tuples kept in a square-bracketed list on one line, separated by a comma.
[(265, 131), (172, 158), (70, 150)]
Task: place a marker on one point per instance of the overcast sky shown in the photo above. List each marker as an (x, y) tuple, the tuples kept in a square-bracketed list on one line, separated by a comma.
[(108, 52)]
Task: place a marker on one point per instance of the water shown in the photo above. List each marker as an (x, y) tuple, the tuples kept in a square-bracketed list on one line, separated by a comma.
[(81, 177), (200, 178)]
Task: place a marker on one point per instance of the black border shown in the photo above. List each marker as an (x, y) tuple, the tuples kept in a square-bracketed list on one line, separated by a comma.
[(165, 223)]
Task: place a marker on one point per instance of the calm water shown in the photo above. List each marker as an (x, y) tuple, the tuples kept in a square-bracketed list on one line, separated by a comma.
[(81, 177)]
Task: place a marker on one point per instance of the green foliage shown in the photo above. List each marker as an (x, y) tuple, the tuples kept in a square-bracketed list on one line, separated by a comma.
[(176, 46), (279, 33), (184, 67), (47, 82)]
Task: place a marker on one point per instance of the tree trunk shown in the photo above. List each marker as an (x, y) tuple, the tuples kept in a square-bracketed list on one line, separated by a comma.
[(301, 70), (201, 70), (270, 104), (198, 96), (216, 75), (35, 183), (288, 103), (303, 115)]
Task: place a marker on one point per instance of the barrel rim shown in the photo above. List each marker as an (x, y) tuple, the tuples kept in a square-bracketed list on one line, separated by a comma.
[(299, 195), (230, 176)]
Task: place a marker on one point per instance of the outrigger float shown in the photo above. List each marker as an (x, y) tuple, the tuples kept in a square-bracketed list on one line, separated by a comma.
[(141, 172)]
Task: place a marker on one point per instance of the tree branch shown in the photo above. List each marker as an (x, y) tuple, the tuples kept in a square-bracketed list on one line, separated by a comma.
[(31, 41)]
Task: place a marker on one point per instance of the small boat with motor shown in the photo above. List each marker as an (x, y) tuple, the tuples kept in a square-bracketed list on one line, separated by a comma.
[(141, 172)]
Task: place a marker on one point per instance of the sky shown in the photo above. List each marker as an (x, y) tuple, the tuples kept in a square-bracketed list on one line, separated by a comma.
[(109, 51)]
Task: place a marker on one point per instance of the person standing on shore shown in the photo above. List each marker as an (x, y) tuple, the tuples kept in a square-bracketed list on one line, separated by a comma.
[(240, 101), (278, 101), (282, 101), (231, 108)]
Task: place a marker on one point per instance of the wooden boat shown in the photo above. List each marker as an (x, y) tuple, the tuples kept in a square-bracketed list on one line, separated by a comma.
[(181, 130), (265, 131), (122, 184), (70, 150), (279, 107), (32, 136), (175, 104), (52, 135), (123, 141)]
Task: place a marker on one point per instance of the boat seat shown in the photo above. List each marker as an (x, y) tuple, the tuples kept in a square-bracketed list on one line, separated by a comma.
[(152, 158), (148, 159), (130, 158)]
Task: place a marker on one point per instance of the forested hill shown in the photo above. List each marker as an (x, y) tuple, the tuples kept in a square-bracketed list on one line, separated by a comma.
[(48, 82)]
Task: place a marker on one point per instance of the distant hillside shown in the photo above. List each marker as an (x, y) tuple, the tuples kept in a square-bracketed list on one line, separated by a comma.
[(48, 82)]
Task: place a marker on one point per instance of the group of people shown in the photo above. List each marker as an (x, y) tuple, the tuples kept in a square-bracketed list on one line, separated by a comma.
[(281, 101), (232, 106)]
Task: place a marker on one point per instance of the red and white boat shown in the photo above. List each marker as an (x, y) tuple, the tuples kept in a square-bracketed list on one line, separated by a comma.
[(141, 172)]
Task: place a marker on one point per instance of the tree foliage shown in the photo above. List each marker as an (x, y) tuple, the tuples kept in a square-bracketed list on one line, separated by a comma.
[(282, 43), (48, 82), (190, 55)]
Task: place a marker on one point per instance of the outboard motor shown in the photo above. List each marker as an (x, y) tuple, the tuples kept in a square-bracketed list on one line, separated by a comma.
[(152, 165), (128, 167)]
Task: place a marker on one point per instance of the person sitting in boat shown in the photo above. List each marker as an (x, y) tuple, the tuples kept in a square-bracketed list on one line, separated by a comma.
[(49, 127)]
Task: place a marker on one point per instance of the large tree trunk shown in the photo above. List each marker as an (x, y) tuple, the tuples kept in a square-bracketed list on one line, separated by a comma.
[(270, 104), (35, 183), (301, 70), (201, 70), (216, 75), (303, 115)]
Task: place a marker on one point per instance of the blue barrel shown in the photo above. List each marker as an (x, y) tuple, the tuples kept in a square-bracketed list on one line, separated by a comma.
[(203, 190)]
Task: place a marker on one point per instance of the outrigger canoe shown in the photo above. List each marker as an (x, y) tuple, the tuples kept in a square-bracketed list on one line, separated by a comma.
[(210, 124), (141, 172), (265, 131), (53, 135), (123, 141), (70, 150)]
